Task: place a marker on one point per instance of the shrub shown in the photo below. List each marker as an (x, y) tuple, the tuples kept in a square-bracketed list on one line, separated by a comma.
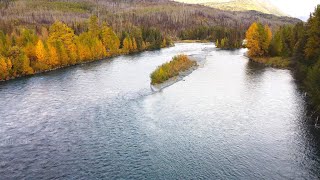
[(171, 69)]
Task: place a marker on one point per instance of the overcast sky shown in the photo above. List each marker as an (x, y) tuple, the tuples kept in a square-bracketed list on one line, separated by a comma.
[(296, 8)]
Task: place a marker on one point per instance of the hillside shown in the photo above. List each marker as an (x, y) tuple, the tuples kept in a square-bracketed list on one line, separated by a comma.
[(169, 16), (263, 6)]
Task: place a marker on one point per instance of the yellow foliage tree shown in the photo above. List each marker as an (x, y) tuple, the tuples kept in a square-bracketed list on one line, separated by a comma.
[(266, 38), (98, 50), (126, 45), (110, 40), (20, 62), (269, 34), (41, 57), (130, 45), (41, 52), (9, 64), (134, 45), (83, 52), (4, 71), (63, 55), (30, 51), (94, 27), (101, 50), (164, 42), (60, 33), (258, 39), (54, 58), (143, 46), (253, 38)]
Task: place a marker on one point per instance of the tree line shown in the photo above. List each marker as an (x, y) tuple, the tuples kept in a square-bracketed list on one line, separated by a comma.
[(299, 44), (168, 16), (225, 38), (25, 52)]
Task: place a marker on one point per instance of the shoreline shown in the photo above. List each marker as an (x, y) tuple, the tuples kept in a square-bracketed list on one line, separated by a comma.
[(76, 64), (192, 41), (56, 68), (274, 62)]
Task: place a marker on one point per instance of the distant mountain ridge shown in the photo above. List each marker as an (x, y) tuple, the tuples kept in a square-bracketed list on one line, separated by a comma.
[(263, 6)]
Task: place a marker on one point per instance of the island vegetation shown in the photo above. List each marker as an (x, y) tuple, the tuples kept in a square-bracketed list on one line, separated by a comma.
[(171, 69), (296, 45)]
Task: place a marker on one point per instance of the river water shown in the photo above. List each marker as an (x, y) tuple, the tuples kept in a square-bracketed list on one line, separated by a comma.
[(229, 119)]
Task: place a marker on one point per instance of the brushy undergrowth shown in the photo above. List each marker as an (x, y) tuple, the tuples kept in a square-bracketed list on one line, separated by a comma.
[(63, 6), (278, 62), (171, 69)]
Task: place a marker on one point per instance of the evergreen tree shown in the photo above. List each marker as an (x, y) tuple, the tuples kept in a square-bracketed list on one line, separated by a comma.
[(268, 38), (20, 62), (275, 48), (312, 49)]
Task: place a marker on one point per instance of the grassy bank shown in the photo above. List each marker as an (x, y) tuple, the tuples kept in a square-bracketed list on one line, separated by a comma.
[(192, 41), (277, 62), (171, 69)]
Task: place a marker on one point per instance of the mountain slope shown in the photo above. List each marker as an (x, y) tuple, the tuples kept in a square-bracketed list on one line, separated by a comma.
[(239, 5), (171, 17)]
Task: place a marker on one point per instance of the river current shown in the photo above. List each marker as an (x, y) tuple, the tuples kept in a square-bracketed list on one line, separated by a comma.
[(229, 119)]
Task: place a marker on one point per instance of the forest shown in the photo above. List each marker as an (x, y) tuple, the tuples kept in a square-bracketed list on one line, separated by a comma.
[(38, 35), (25, 51), (297, 44), (225, 38), (171, 17)]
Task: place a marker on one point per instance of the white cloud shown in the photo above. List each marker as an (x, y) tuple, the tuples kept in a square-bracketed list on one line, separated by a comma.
[(296, 8)]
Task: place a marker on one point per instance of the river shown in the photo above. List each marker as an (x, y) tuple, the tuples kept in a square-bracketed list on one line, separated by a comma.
[(229, 119)]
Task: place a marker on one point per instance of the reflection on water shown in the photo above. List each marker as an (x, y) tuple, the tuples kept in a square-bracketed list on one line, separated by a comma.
[(229, 119)]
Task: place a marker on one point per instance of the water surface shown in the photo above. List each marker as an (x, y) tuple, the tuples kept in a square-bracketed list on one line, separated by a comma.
[(229, 119)]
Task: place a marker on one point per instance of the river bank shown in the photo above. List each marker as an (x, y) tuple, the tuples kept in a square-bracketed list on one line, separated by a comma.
[(285, 63), (192, 41), (276, 62), (80, 63)]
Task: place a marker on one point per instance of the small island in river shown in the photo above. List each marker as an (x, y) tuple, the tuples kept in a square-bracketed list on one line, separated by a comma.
[(173, 71)]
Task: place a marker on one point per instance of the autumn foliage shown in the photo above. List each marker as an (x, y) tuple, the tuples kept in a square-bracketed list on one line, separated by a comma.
[(171, 69), (25, 51), (258, 39), (295, 45)]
